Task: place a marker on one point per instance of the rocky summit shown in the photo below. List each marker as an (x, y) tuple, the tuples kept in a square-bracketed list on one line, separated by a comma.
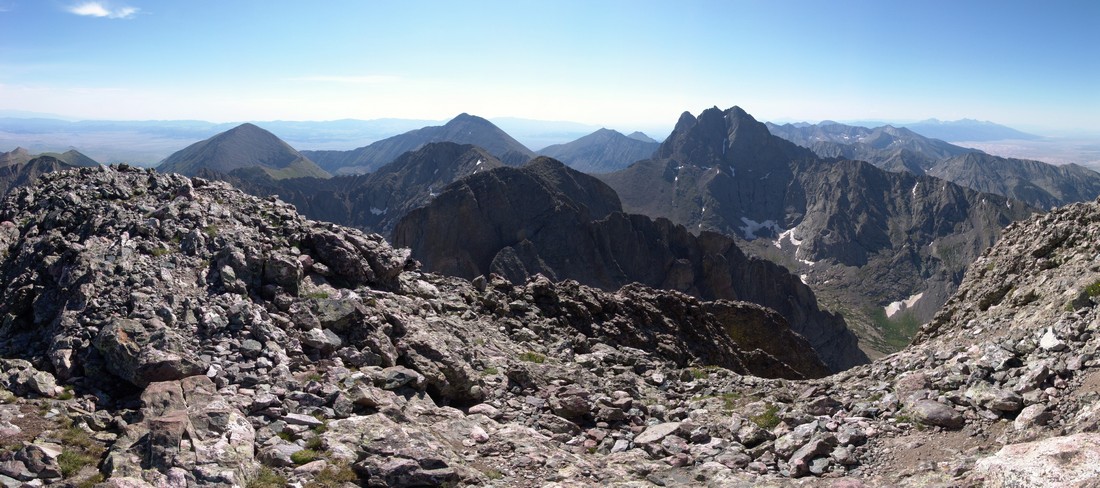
[(165, 331)]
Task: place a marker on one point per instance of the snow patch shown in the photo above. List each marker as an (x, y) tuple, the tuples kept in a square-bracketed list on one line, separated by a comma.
[(895, 307), (378, 211), (478, 163), (807, 262), (751, 227), (789, 235), (915, 185), (804, 278)]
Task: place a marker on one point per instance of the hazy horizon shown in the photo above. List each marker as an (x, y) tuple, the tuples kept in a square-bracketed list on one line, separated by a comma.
[(617, 64)]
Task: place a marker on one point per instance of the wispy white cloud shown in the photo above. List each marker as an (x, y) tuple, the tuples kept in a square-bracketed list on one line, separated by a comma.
[(360, 79), (101, 9)]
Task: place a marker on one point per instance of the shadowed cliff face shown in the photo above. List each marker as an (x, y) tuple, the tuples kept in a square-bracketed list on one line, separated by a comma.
[(862, 237), (547, 219)]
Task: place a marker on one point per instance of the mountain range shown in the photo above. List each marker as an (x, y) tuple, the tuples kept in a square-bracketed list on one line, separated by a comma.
[(463, 129), (899, 149), (374, 201), (864, 238), (882, 248), (967, 130)]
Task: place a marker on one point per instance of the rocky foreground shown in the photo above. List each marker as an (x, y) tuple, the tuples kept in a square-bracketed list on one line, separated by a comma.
[(164, 331)]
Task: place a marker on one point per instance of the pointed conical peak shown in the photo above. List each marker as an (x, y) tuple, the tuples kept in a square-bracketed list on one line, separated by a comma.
[(685, 122), (465, 118)]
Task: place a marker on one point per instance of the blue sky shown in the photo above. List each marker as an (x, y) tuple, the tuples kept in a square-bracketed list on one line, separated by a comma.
[(622, 64)]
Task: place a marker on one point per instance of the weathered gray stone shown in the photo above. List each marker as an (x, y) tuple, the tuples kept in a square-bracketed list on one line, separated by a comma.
[(931, 412), (655, 433), (1032, 416)]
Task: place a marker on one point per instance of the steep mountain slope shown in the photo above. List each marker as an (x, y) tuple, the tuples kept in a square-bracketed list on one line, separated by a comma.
[(244, 146), (373, 202), (885, 243), (18, 174), (463, 129), (545, 218), (18, 155), (602, 151), (71, 157), (1038, 184)]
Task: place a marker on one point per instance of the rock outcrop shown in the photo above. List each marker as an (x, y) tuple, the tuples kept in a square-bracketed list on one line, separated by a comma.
[(545, 218)]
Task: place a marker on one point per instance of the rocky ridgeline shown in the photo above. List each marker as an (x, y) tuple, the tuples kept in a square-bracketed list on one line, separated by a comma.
[(164, 331)]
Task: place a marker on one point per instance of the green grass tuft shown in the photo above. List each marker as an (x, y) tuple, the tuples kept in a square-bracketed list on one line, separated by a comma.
[(304, 456), (767, 420), (267, 478), (71, 462), (334, 475), (532, 357), (1093, 290)]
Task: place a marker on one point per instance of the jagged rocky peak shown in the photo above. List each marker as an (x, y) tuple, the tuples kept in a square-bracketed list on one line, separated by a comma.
[(724, 137)]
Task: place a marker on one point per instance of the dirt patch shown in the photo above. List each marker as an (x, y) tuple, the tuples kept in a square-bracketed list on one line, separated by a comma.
[(932, 457), (1090, 383), (29, 419)]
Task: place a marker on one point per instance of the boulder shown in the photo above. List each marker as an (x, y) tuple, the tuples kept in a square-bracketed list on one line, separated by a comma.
[(931, 412)]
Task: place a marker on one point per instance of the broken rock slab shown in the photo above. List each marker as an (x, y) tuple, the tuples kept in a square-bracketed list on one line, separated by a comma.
[(1068, 461)]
